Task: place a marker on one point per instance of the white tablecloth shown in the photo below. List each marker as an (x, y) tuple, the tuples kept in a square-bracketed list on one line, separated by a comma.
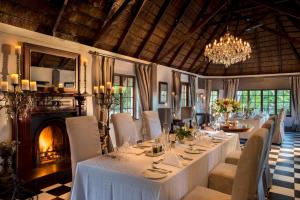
[(104, 178)]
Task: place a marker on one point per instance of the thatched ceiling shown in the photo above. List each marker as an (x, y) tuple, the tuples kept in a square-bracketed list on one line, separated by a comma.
[(171, 32)]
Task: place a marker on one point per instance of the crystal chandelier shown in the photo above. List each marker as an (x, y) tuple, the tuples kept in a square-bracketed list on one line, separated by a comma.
[(228, 50)]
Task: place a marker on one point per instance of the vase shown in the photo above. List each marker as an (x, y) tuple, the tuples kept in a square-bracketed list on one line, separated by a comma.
[(226, 117)]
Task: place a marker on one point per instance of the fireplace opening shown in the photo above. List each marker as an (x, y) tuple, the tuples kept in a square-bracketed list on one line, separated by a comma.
[(51, 145)]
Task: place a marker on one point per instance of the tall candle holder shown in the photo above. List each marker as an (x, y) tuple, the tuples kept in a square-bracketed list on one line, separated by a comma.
[(17, 102), (106, 98)]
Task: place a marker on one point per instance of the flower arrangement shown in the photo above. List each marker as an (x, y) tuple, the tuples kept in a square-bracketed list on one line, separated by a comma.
[(181, 133), (226, 106)]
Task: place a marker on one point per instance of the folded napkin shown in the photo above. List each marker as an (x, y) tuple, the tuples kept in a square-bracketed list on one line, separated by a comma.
[(204, 141), (172, 159)]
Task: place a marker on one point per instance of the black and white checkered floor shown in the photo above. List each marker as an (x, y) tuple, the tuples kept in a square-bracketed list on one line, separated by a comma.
[(284, 162)]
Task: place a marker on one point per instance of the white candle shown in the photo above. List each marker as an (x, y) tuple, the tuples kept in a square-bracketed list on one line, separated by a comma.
[(33, 86), (60, 85), (14, 79), (4, 86), (120, 89), (25, 84), (102, 89), (96, 89), (113, 90), (108, 85), (18, 49), (173, 93)]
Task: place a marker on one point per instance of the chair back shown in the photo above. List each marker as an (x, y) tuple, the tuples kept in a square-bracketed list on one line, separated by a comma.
[(279, 127), (247, 182), (152, 123), (124, 128), (84, 139)]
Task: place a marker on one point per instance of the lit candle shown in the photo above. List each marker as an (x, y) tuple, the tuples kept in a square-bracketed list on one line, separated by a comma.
[(108, 85), (60, 85), (14, 79), (84, 61), (33, 86), (18, 49), (173, 93), (102, 89), (25, 84), (96, 89), (4, 86), (120, 89), (113, 90)]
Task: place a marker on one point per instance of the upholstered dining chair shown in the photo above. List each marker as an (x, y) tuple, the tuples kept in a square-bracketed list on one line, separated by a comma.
[(84, 139), (152, 123), (247, 178), (125, 128), (279, 128)]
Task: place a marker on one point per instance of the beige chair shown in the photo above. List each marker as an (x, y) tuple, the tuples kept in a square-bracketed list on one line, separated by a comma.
[(247, 181), (152, 124), (279, 128), (222, 176), (84, 139), (125, 128)]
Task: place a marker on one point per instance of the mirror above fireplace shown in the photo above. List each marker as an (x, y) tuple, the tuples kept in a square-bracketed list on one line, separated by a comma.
[(52, 69)]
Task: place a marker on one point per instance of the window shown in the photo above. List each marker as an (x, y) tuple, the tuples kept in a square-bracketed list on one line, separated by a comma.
[(284, 101), (270, 101), (269, 97), (184, 99), (255, 99), (127, 100), (214, 95), (242, 97)]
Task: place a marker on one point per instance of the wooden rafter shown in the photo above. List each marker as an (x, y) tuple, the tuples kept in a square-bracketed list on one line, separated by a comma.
[(106, 24), (194, 29), (134, 15), (283, 35), (200, 14), (173, 57), (278, 8), (157, 20), (258, 54), (58, 19), (205, 68), (282, 30)]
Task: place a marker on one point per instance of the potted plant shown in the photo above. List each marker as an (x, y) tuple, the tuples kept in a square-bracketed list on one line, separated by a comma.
[(182, 133)]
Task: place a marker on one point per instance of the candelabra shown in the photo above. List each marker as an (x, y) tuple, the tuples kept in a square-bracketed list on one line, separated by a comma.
[(106, 99), (17, 102)]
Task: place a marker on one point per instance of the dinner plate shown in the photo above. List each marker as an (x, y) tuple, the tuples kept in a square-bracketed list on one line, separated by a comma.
[(151, 154), (154, 175), (193, 151)]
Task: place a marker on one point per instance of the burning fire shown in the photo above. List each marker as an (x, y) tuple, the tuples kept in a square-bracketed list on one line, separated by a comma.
[(46, 140)]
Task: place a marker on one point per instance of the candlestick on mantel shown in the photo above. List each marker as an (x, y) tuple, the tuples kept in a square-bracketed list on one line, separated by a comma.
[(33, 86), (18, 49), (102, 89), (25, 85), (4, 86), (96, 89), (120, 89), (60, 85), (14, 79), (108, 85)]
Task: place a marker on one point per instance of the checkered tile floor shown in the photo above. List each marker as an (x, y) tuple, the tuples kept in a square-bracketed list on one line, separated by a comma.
[(284, 162)]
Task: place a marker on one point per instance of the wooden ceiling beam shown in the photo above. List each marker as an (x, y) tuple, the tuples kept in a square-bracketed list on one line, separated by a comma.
[(134, 15), (58, 19), (173, 58), (283, 31), (157, 20), (194, 29), (106, 24), (278, 8), (172, 30), (205, 68)]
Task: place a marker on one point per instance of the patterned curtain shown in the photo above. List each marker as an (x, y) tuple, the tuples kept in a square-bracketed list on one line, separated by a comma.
[(295, 87), (192, 82), (231, 86), (177, 90), (144, 78)]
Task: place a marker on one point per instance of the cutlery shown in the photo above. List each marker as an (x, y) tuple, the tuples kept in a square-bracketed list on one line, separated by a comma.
[(185, 158), (162, 169), (158, 161), (157, 171)]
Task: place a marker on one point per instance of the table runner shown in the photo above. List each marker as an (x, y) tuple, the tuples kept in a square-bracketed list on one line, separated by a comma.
[(103, 178)]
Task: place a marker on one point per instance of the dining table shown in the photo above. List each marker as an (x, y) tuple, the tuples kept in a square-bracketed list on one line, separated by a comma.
[(120, 175)]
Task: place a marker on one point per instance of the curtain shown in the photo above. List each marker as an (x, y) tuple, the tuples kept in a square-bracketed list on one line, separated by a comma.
[(102, 72), (231, 86), (295, 87), (177, 90), (144, 77), (192, 82), (208, 86)]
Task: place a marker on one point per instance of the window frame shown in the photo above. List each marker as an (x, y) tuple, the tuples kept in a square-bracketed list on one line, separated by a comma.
[(210, 100), (122, 77), (187, 95)]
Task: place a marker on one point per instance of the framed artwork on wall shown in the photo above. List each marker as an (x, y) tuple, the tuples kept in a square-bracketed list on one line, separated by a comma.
[(163, 92)]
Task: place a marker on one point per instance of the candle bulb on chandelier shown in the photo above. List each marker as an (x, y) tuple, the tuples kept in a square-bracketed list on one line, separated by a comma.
[(33, 86), (102, 89), (4, 86), (14, 79), (96, 89), (25, 85), (108, 85)]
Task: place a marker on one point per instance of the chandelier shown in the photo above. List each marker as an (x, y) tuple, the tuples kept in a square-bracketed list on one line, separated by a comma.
[(228, 50)]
